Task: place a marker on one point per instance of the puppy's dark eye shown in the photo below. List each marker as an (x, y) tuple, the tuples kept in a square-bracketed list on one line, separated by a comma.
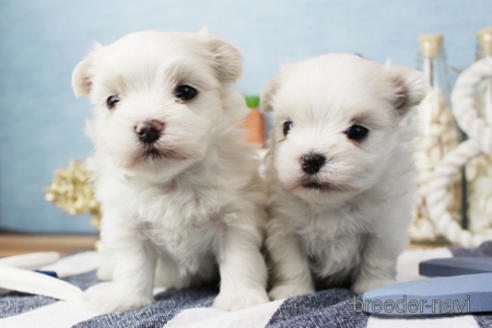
[(112, 101), (185, 92), (286, 127), (357, 132)]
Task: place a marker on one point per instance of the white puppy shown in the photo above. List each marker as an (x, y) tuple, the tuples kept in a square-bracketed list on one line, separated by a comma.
[(177, 183), (340, 172)]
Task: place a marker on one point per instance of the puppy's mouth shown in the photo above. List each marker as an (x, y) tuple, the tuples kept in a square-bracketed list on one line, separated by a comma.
[(316, 185), (154, 153), (153, 156), (323, 186), (313, 182)]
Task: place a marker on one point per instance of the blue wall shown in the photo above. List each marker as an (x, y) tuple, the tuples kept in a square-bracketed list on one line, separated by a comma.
[(41, 41)]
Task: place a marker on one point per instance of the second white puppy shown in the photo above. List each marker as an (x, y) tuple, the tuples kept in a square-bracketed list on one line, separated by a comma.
[(340, 172), (177, 183)]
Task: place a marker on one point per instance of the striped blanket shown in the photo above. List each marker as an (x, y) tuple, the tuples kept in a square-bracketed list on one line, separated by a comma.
[(192, 307)]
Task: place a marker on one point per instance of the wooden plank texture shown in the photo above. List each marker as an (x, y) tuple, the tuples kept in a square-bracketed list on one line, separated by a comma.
[(14, 244)]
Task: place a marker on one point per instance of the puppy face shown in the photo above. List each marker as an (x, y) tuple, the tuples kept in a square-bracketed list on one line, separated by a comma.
[(335, 123), (157, 98)]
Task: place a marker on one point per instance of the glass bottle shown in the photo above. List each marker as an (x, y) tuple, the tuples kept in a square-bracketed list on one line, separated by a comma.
[(479, 169), (437, 135)]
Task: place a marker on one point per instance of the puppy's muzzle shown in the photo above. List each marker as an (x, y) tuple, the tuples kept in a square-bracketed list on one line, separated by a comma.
[(312, 163), (149, 131)]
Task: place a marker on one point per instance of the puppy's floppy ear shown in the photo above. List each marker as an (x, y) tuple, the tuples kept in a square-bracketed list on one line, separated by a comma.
[(226, 59), (81, 80), (410, 87), (82, 74), (269, 92)]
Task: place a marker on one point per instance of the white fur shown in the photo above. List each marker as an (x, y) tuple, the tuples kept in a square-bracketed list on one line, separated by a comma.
[(169, 221), (353, 230)]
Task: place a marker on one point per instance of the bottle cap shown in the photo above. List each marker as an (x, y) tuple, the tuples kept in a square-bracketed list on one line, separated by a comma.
[(484, 36), (252, 101), (430, 45)]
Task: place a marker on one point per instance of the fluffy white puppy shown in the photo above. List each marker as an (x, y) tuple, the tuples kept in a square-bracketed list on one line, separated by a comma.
[(340, 172), (177, 183)]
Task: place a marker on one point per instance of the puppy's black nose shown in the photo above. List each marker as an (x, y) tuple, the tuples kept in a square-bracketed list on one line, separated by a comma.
[(312, 163), (149, 131)]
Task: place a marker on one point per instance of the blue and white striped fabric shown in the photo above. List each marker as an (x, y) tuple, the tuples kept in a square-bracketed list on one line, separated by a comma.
[(192, 307)]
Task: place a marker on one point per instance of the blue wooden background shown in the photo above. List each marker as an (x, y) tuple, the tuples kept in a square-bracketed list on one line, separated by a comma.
[(40, 42)]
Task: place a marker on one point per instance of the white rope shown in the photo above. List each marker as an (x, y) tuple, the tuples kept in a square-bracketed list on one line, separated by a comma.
[(479, 142), (439, 136)]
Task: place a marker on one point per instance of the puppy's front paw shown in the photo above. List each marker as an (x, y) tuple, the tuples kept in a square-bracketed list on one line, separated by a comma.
[(109, 297), (289, 290), (232, 301), (363, 285)]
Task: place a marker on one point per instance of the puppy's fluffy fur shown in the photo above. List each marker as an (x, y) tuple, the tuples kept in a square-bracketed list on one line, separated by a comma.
[(176, 208), (347, 222)]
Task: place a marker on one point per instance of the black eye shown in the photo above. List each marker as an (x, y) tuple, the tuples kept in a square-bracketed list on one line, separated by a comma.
[(112, 101), (357, 132), (286, 127), (185, 92)]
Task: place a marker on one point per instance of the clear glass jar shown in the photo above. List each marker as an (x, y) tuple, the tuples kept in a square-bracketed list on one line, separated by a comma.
[(437, 135), (479, 169)]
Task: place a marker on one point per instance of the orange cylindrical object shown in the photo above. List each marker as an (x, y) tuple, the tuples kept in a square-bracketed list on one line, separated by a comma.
[(254, 124)]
